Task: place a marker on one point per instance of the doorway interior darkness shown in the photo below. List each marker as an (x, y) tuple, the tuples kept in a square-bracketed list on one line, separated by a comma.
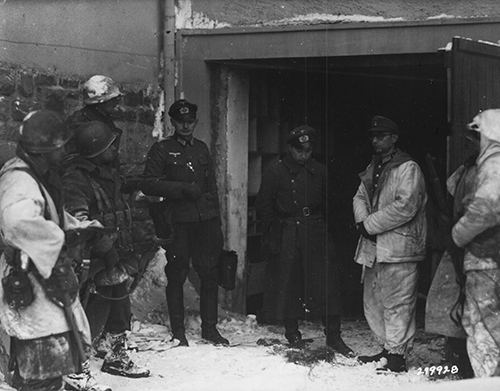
[(338, 97)]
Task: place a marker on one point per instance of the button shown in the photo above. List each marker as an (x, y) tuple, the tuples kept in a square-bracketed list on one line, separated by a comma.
[(376, 176), (297, 222), (293, 181)]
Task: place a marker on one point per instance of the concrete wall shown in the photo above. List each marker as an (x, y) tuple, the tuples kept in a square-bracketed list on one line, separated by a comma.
[(224, 13), (82, 37)]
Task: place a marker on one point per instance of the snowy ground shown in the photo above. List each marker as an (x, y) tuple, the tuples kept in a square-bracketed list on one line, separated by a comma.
[(248, 366)]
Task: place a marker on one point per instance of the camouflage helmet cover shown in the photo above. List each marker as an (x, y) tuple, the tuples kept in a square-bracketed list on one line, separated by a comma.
[(100, 89)]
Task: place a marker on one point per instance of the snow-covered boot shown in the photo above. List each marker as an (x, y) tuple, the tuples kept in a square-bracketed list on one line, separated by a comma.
[(374, 358), (83, 381), (118, 362), (292, 333), (103, 346), (212, 335), (395, 363)]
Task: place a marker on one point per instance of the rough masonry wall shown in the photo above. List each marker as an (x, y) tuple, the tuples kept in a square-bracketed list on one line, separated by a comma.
[(24, 89)]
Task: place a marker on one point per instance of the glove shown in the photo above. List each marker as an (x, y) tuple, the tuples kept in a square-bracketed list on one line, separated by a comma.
[(364, 233), (191, 191)]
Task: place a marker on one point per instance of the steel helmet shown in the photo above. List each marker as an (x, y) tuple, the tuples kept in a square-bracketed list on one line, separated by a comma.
[(99, 89), (43, 131), (93, 138)]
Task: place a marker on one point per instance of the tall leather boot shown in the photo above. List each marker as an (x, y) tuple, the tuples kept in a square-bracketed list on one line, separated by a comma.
[(333, 338), (175, 304), (208, 312)]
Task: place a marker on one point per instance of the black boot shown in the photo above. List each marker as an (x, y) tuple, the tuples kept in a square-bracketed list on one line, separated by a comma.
[(208, 312), (374, 358), (292, 333), (395, 363), (175, 304), (333, 338)]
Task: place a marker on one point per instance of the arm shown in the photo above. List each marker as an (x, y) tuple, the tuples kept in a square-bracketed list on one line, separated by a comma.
[(409, 197), (153, 184), (23, 223), (264, 203), (360, 204)]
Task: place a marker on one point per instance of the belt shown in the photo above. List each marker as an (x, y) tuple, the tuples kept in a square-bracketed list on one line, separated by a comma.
[(306, 211)]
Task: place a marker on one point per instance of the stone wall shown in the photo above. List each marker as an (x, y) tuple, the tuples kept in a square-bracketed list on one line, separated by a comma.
[(25, 89)]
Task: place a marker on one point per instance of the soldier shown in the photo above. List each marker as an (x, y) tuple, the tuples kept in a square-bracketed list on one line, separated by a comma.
[(101, 97), (478, 231), (185, 176), (291, 204), (389, 211), (93, 185), (39, 305)]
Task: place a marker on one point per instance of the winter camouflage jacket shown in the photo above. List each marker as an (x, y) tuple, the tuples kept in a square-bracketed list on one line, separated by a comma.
[(24, 227), (479, 228), (395, 213)]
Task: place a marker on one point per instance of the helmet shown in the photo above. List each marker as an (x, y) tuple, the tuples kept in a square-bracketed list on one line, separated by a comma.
[(43, 131), (99, 89), (93, 138)]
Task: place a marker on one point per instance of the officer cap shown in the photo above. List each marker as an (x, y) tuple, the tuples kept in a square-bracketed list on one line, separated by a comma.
[(182, 110), (383, 124), (301, 135)]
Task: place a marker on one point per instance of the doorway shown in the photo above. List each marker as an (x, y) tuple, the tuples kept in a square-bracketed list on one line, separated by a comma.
[(338, 97)]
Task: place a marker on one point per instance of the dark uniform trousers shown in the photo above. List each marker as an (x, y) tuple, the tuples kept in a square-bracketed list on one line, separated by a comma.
[(109, 310), (202, 243)]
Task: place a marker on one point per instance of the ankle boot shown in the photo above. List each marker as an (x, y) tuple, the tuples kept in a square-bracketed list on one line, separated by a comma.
[(395, 363), (212, 335), (373, 358), (292, 333)]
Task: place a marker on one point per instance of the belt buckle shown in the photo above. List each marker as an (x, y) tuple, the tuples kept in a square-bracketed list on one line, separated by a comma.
[(306, 211)]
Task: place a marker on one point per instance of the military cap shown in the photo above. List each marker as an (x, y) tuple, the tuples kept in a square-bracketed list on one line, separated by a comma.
[(383, 124), (182, 110), (300, 135)]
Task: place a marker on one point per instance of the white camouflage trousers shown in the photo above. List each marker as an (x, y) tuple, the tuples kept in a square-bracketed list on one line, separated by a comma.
[(390, 298), (481, 321)]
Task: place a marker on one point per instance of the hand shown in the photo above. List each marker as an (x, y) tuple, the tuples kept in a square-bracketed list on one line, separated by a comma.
[(360, 227), (191, 191)]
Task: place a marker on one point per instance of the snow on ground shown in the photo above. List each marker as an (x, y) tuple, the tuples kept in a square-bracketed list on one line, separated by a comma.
[(247, 366)]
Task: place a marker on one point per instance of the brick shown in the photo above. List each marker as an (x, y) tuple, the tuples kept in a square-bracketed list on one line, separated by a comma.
[(146, 116), (7, 85), (45, 80), (125, 115), (26, 85), (133, 98), (69, 83)]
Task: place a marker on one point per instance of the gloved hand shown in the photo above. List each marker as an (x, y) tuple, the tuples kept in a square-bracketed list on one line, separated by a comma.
[(191, 191), (360, 227)]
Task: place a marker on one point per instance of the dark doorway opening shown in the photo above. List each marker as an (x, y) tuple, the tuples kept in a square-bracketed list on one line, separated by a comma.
[(338, 97)]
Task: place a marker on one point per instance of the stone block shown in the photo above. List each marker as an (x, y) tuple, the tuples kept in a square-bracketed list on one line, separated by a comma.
[(69, 83), (26, 85), (45, 80), (146, 116), (7, 85), (133, 98)]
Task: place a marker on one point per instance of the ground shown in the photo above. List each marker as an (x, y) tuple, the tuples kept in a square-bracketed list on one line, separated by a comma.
[(249, 366)]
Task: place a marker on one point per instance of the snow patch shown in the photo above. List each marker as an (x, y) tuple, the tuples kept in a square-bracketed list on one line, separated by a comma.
[(444, 16), (316, 18)]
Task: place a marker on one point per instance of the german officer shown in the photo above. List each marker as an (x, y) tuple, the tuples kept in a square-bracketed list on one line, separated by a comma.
[(291, 203), (185, 176)]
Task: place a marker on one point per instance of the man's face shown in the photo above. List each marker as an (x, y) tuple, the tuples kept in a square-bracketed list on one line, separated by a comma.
[(55, 158), (383, 142), (110, 106), (184, 128), (302, 154), (111, 154)]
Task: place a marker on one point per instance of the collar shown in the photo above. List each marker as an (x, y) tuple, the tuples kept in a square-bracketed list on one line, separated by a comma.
[(182, 141), (295, 167)]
